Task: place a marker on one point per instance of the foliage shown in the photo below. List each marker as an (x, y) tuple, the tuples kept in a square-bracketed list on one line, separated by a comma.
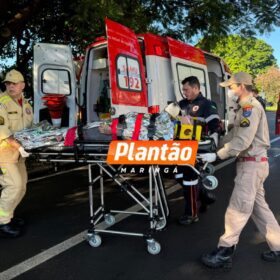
[(269, 83), (214, 19), (78, 22), (245, 54)]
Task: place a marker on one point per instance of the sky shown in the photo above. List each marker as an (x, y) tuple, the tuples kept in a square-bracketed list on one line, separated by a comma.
[(273, 39)]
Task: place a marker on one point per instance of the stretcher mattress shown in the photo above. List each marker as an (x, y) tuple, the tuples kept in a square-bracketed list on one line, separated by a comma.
[(101, 147), (84, 141)]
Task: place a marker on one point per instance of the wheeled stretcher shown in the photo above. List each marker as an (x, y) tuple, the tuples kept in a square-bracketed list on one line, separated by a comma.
[(153, 205)]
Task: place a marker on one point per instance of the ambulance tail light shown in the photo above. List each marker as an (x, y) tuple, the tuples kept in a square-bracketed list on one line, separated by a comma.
[(153, 109)]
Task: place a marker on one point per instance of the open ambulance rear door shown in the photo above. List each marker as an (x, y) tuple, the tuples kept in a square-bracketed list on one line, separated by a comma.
[(54, 73), (187, 61), (127, 75)]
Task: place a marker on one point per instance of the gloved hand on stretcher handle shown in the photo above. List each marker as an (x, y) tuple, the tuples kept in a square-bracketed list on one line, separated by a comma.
[(13, 142), (23, 153), (208, 157)]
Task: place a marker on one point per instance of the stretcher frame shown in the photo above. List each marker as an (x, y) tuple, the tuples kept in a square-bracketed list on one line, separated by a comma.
[(154, 205)]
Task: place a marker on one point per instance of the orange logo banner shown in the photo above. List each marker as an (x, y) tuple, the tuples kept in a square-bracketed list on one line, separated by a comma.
[(152, 152)]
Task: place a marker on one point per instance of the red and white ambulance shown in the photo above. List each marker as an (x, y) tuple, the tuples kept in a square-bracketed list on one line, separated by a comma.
[(121, 73)]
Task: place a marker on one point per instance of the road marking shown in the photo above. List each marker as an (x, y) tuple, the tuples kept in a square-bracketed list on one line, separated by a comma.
[(65, 245), (274, 140), (50, 253), (57, 173)]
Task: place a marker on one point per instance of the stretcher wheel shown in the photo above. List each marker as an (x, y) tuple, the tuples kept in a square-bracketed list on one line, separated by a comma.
[(109, 219), (210, 169), (154, 248), (210, 182), (160, 224), (95, 240)]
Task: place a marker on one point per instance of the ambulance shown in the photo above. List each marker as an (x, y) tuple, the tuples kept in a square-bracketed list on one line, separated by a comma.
[(123, 72)]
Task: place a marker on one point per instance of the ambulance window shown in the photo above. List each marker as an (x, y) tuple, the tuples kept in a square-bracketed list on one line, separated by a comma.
[(128, 72), (56, 81), (184, 71)]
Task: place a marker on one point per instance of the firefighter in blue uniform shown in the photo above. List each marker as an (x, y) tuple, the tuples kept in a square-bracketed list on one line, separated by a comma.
[(195, 105)]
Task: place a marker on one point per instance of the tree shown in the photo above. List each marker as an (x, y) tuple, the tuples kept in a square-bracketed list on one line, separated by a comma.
[(269, 83), (78, 22), (245, 54), (182, 19), (73, 22), (16, 17)]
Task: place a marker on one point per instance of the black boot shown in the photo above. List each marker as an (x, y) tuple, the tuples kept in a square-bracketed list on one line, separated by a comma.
[(271, 256), (9, 230), (187, 220), (220, 258), (18, 222)]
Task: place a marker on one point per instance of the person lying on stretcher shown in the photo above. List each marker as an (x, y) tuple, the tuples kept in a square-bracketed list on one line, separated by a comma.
[(134, 126), (167, 125)]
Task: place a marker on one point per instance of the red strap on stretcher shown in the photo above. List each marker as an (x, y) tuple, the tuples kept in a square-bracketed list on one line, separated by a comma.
[(137, 127), (70, 136), (114, 128)]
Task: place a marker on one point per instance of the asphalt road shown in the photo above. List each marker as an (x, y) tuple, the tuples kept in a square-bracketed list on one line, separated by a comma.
[(56, 209)]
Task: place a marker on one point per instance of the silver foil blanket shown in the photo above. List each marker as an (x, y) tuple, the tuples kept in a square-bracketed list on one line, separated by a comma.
[(164, 127), (41, 135)]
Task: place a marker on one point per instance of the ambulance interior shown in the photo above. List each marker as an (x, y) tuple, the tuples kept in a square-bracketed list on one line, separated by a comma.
[(215, 75), (98, 85), (55, 81)]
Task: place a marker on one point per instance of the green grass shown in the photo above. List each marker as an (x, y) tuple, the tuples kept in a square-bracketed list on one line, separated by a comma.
[(271, 109)]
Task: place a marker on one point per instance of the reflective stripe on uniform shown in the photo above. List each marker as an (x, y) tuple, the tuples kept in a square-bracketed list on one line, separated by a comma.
[(190, 183), (3, 213), (4, 99), (208, 119), (212, 117), (3, 171), (199, 119), (180, 175), (5, 144)]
